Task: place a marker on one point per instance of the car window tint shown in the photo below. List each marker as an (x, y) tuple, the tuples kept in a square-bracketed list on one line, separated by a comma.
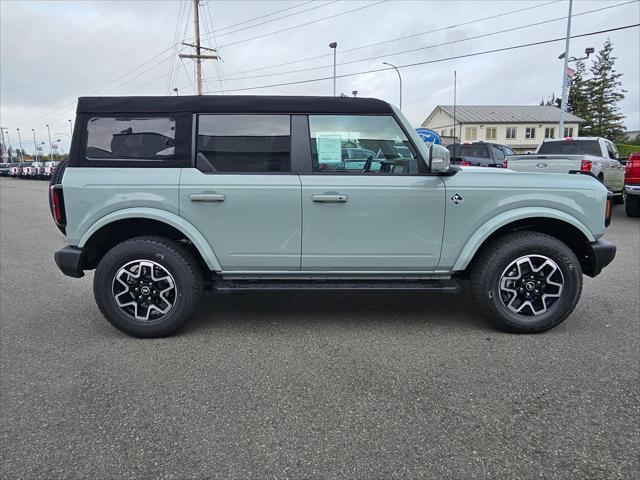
[(360, 144), (245, 143), (571, 147), (111, 138)]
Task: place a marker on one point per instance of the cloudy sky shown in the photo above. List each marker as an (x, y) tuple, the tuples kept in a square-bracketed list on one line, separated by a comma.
[(53, 52)]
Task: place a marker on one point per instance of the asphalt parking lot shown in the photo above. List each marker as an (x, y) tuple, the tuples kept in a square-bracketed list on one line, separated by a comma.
[(306, 386)]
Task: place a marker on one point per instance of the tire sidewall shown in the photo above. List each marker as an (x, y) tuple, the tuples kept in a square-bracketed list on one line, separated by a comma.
[(571, 272), (103, 289)]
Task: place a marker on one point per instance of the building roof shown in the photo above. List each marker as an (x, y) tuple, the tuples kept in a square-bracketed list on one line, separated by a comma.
[(233, 104), (507, 114)]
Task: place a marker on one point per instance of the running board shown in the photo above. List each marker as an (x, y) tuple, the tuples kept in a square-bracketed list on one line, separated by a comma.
[(322, 286)]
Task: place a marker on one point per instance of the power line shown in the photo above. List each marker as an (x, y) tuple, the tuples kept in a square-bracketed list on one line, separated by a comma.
[(426, 47), (266, 15), (485, 52), (276, 19), (303, 24), (343, 51)]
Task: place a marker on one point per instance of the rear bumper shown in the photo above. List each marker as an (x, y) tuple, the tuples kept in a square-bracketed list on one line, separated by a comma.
[(599, 254), (69, 261), (632, 189)]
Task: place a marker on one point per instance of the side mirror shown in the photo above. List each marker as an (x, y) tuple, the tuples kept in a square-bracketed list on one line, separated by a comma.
[(439, 158)]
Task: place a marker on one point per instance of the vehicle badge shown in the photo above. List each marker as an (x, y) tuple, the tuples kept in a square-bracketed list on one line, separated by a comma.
[(456, 199), (541, 165)]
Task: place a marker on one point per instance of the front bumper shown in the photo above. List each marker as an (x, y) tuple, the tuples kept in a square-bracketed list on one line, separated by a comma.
[(632, 189), (599, 254), (69, 261)]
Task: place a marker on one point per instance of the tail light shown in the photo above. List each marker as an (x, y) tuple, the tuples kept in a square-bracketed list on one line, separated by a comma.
[(464, 163), (608, 209), (505, 164), (586, 165), (57, 202)]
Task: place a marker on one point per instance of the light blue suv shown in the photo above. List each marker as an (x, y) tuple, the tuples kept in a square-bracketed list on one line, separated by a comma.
[(167, 196)]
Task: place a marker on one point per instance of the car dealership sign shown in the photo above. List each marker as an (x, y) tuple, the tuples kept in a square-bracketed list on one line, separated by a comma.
[(429, 136)]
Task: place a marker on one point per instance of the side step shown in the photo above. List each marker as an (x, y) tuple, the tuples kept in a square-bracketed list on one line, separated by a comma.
[(322, 286)]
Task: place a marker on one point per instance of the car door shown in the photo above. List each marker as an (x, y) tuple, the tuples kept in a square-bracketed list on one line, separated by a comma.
[(386, 215), (614, 176), (241, 194)]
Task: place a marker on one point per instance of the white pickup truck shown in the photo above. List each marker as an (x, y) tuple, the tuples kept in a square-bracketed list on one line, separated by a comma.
[(596, 155)]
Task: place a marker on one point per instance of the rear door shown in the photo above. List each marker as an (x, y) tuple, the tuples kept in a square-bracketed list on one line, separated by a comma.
[(385, 215), (241, 194)]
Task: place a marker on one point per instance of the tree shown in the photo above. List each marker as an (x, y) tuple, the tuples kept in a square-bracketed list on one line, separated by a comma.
[(603, 92), (577, 100)]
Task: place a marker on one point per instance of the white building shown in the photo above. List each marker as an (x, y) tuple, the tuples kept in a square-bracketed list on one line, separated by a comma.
[(521, 127)]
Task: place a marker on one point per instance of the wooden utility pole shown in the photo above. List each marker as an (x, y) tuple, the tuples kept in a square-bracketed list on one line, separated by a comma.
[(198, 57)]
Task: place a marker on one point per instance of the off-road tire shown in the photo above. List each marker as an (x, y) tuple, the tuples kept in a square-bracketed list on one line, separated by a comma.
[(171, 256), (492, 261), (632, 206)]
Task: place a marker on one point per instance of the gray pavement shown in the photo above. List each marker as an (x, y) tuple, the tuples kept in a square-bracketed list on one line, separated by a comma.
[(306, 386)]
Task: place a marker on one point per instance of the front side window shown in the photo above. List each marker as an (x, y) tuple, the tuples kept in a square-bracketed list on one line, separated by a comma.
[(511, 133), (360, 144), (530, 133), (110, 138), (471, 133), (492, 133), (244, 143)]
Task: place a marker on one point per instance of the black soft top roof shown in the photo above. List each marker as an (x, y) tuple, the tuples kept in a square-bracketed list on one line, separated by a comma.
[(232, 104)]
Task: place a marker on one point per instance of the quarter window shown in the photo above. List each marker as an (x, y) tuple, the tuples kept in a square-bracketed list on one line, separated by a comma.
[(511, 133), (360, 144), (530, 133), (111, 138), (491, 133), (471, 133), (244, 143)]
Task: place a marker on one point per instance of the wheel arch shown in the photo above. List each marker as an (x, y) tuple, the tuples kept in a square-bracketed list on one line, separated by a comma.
[(558, 224), (124, 224)]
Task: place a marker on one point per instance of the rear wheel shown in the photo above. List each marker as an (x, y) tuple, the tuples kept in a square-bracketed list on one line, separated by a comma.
[(526, 282), (148, 286), (632, 206)]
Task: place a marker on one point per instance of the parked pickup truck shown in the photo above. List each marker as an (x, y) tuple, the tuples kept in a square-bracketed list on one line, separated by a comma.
[(632, 185), (596, 155), (165, 196)]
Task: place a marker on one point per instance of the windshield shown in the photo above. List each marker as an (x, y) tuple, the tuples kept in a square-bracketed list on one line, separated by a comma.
[(473, 150), (571, 147)]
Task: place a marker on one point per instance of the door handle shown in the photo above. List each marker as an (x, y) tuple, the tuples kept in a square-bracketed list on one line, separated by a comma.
[(207, 197), (329, 198)]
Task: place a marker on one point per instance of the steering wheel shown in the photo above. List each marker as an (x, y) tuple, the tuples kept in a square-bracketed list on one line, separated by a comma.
[(367, 164)]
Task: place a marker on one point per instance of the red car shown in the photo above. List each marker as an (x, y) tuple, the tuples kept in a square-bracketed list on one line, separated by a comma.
[(632, 185)]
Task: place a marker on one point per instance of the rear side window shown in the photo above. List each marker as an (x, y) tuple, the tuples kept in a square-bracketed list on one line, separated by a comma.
[(475, 150), (244, 143), (571, 147), (151, 139)]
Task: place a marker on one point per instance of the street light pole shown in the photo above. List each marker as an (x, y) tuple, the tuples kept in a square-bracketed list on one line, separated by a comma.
[(35, 144), (20, 143), (334, 46), (50, 145), (9, 142), (563, 102), (399, 77)]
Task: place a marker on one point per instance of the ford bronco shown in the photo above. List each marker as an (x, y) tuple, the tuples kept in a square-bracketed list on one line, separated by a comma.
[(167, 196)]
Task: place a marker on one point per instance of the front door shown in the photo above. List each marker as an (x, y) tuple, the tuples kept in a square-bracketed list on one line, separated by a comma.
[(384, 213), (241, 195)]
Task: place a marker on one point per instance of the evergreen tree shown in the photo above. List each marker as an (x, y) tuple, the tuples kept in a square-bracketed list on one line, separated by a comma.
[(603, 92)]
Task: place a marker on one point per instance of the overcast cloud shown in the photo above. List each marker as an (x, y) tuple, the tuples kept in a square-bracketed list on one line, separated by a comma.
[(53, 52)]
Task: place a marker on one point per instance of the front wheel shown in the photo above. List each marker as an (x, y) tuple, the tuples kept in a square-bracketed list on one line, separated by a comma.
[(148, 286), (526, 282)]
